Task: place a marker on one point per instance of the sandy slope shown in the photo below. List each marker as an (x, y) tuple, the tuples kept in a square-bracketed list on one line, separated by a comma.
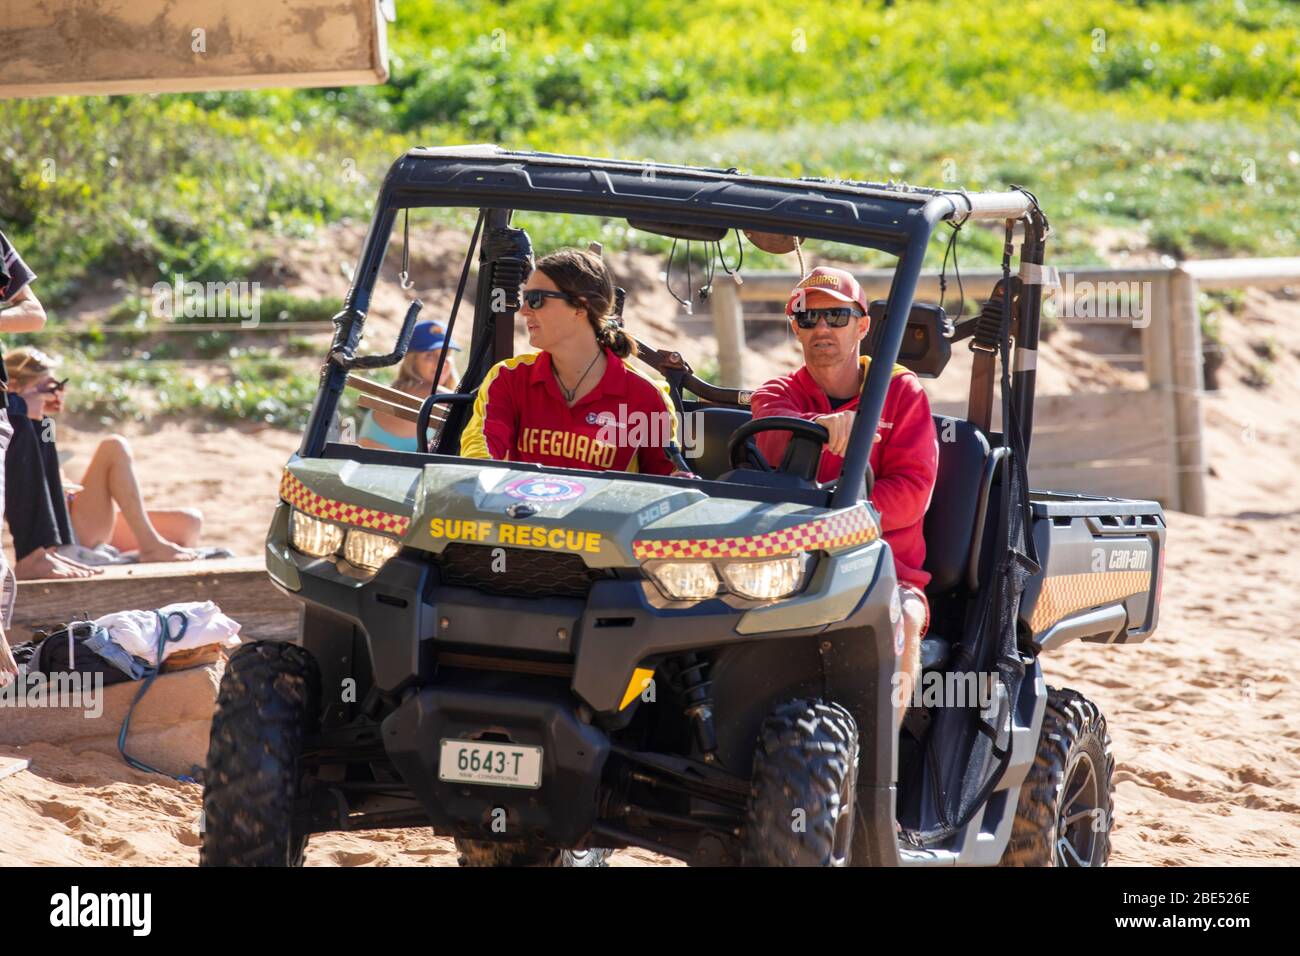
[(1205, 716)]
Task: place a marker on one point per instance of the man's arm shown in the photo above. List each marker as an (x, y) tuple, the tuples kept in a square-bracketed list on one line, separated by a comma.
[(777, 398), (909, 461), (22, 313)]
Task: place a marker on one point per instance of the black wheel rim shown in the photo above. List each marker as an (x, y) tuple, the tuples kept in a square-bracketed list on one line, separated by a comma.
[(1078, 814), (843, 840)]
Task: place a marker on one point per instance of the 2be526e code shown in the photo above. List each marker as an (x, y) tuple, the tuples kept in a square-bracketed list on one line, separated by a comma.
[(1197, 898)]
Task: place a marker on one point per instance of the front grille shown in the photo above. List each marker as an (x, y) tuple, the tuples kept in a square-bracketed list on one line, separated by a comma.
[(517, 572)]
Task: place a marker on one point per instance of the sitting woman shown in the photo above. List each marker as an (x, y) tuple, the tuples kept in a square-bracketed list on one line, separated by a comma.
[(106, 506), (415, 377), (574, 403)]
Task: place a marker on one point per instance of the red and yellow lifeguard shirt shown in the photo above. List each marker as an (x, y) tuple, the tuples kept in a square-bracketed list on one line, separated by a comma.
[(622, 424), (904, 456)]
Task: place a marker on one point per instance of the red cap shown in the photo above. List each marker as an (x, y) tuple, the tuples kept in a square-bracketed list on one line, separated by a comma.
[(834, 282)]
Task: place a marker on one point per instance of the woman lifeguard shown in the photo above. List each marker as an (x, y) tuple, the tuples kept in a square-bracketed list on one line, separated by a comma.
[(575, 402)]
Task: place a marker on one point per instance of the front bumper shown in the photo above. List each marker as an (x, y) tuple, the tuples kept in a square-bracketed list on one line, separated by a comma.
[(561, 812)]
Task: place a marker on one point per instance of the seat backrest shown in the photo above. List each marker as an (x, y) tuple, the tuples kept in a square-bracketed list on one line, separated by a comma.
[(713, 426), (950, 521)]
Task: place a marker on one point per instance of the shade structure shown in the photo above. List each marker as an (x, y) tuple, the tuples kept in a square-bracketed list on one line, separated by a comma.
[(83, 47)]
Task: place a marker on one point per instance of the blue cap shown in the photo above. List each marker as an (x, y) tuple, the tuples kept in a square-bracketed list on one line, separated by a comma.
[(428, 336)]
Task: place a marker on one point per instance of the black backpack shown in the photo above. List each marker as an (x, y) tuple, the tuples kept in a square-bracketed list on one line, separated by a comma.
[(56, 654)]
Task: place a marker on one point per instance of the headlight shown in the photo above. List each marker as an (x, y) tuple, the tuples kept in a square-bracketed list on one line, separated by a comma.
[(685, 580), (312, 536), (368, 550), (765, 580)]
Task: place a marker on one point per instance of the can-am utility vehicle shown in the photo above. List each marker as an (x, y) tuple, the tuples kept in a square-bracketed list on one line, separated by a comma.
[(549, 664)]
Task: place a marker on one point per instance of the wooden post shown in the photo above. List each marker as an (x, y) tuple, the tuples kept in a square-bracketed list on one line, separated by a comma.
[(729, 330), (1157, 362), (1188, 383)]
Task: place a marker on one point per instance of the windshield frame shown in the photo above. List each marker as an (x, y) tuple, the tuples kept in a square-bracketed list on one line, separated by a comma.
[(899, 222)]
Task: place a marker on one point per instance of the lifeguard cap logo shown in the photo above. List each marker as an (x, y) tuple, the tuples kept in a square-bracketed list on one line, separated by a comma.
[(836, 283), (815, 279)]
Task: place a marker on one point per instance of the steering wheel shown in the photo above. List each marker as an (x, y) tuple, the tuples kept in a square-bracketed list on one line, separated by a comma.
[(802, 456)]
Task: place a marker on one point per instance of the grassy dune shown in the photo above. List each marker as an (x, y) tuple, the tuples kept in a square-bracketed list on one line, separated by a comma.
[(1171, 125)]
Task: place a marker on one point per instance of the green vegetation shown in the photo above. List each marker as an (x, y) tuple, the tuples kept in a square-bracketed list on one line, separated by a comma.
[(1171, 125)]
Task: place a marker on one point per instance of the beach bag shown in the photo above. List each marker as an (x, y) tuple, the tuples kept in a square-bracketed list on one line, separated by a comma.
[(83, 647)]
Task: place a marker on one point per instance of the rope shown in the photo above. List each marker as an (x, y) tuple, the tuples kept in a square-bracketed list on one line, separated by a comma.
[(164, 638)]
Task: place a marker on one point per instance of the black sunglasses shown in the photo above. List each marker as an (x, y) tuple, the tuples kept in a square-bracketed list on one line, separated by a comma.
[(53, 387), (835, 318), (536, 298)]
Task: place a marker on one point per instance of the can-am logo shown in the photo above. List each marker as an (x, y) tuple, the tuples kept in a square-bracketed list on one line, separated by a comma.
[(74, 909)]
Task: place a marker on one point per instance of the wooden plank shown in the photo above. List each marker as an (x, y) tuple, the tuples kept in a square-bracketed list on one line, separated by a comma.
[(1114, 443), (392, 395), (12, 765), (1185, 340), (239, 586), (1128, 480), (767, 286), (1157, 362), (377, 404), (1238, 273)]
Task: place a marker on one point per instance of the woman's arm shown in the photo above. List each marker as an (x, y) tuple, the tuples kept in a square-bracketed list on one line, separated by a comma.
[(490, 432)]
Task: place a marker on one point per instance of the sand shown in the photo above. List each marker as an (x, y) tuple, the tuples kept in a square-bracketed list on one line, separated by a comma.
[(1205, 716)]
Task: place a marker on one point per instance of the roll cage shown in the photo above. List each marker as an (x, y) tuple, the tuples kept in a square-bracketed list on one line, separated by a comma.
[(896, 219)]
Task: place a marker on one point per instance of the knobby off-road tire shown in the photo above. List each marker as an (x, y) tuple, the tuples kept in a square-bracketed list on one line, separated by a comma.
[(268, 701), (1065, 809), (487, 853), (803, 788)]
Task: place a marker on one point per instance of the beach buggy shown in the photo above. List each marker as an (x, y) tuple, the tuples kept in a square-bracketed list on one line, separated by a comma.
[(548, 664)]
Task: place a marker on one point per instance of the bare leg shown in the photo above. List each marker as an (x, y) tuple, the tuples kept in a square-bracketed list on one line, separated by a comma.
[(8, 666), (180, 526), (109, 484), (914, 614)]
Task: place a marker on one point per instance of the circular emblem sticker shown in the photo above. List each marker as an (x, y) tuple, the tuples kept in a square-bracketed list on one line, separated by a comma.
[(545, 489)]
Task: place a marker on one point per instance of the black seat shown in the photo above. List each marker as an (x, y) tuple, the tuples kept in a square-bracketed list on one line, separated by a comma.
[(957, 505), (714, 425), (954, 523)]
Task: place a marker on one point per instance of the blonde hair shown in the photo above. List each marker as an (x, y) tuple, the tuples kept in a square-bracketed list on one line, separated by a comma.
[(26, 364), (407, 379)]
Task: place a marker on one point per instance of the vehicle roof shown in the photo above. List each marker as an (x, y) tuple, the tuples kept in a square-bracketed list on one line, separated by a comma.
[(881, 215)]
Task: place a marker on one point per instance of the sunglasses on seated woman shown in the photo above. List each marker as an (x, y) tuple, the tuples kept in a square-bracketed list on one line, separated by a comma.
[(536, 298), (49, 388), (835, 318)]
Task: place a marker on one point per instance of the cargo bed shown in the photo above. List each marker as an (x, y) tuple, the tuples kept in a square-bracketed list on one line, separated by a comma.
[(1102, 562)]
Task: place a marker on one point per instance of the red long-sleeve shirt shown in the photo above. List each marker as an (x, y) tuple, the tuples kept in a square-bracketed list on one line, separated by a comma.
[(904, 457), (622, 424)]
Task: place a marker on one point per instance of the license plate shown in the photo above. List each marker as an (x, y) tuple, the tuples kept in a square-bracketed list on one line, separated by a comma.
[(490, 763)]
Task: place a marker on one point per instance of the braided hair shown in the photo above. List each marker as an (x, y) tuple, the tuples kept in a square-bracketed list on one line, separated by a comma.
[(584, 279)]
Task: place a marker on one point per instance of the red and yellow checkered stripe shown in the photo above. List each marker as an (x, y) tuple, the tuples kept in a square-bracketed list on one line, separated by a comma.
[(1064, 594), (304, 499), (834, 532)]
